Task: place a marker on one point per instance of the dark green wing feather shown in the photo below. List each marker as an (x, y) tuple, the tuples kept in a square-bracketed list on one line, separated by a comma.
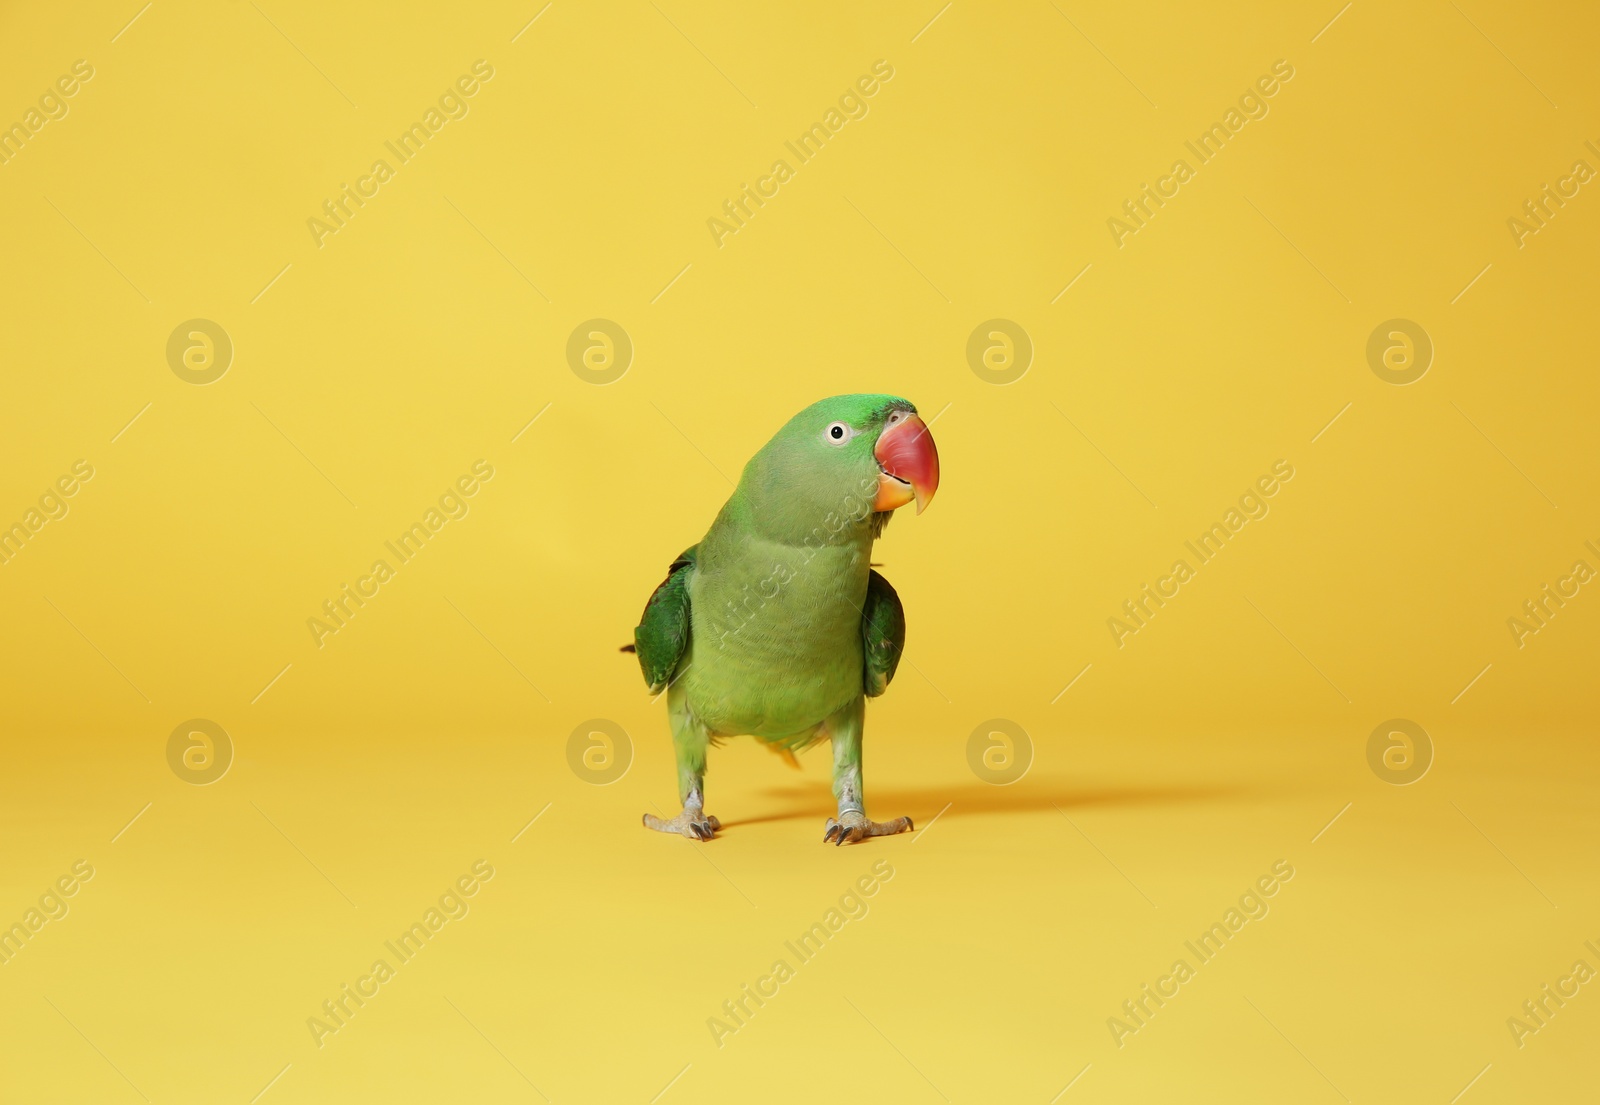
[(883, 634), (662, 637)]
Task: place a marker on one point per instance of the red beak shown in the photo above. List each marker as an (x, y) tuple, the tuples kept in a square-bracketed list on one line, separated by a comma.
[(910, 463)]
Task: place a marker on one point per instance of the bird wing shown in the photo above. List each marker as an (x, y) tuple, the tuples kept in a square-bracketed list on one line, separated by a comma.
[(662, 637), (883, 634)]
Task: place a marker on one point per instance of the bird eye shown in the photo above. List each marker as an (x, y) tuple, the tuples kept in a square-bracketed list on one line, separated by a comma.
[(837, 434)]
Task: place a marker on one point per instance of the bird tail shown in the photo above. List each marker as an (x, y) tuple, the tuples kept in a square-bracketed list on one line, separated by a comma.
[(786, 754)]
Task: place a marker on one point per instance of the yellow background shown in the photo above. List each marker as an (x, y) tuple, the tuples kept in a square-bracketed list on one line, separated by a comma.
[(424, 735)]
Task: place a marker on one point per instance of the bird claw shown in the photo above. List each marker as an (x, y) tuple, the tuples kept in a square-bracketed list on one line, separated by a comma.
[(691, 823), (853, 826), (706, 829)]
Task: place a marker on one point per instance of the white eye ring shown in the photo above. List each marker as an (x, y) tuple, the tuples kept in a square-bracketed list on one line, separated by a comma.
[(837, 433)]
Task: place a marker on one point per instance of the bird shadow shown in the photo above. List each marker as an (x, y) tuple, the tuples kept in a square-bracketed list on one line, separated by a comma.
[(922, 804)]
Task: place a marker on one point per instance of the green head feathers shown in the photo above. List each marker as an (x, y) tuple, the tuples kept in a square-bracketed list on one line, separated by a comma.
[(821, 471)]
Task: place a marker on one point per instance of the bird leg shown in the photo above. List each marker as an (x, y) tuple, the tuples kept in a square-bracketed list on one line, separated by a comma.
[(852, 824), (689, 741)]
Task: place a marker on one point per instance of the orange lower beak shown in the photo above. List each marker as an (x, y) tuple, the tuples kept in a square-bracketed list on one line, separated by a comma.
[(909, 463)]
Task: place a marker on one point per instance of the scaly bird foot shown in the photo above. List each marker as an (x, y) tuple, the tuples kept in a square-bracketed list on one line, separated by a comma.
[(691, 823), (853, 826)]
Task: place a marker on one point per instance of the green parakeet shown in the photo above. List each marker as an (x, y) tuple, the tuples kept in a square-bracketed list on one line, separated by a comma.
[(775, 624)]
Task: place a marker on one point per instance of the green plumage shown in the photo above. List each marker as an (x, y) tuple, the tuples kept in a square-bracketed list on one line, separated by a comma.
[(776, 617), (774, 624), (883, 634), (663, 632)]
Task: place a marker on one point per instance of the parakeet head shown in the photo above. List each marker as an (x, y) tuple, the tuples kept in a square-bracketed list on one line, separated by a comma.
[(843, 459)]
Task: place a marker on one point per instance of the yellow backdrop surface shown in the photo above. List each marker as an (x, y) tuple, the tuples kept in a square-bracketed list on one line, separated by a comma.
[(1254, 612)]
